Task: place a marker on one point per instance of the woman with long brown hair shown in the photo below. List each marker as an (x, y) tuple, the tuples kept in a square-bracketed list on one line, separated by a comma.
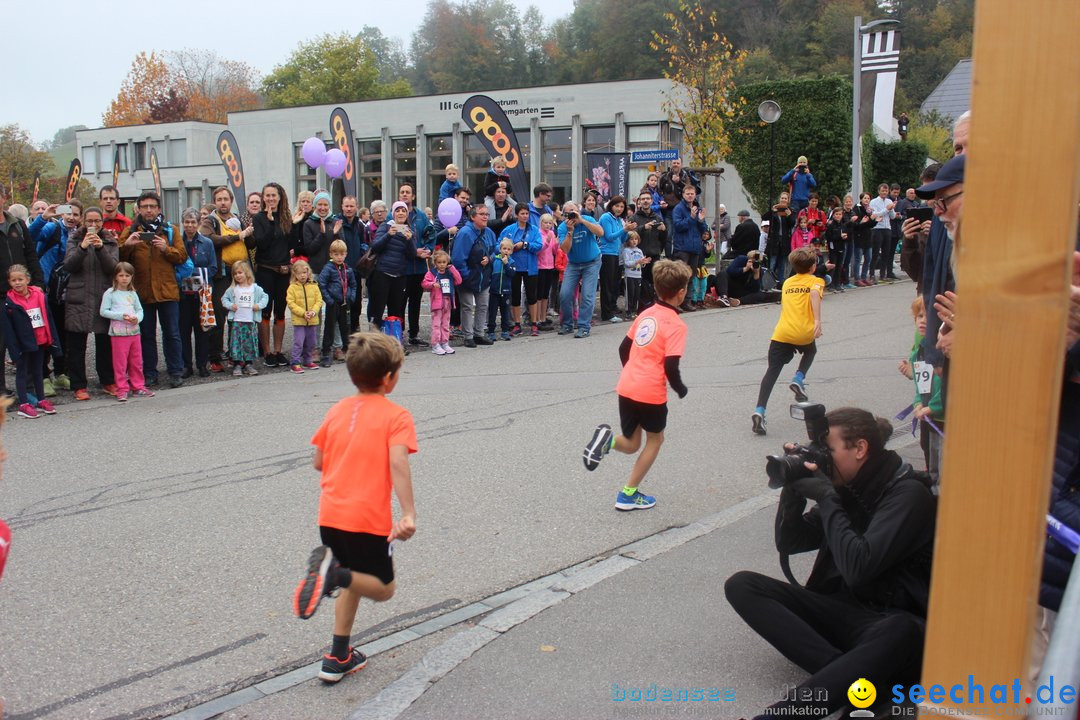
[(273, 238)]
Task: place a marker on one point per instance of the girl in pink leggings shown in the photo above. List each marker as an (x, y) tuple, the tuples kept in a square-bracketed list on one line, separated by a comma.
[(441, 281), (121, 306)]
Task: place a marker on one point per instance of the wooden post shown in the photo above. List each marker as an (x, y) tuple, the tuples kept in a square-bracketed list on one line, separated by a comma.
[(1005, 380)]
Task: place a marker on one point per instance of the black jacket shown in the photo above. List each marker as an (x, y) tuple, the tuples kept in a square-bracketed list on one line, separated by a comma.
[(1065, 494), (747, 237), (781, 225), (316, 244), (874, 536), (17, 248), (653, 240)]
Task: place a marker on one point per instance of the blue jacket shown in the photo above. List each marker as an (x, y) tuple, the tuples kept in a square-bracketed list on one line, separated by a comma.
[(394, 251), (937, 278), (17, 331), (470, 247), (447, 189), (355, 237), (51, 237), (801, 183), (442, 235), (614, 235), (536, 213), (525, 258), (656, 197), (1058, 561), (688, 230), (423, 238), (330, 284), (203, 255), (502, 275)]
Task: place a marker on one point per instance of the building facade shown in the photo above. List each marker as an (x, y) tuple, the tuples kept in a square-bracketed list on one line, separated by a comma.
[(403, 140)]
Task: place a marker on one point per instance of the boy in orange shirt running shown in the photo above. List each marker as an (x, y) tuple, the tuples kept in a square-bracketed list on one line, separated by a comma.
[(650, 355), (362, 449)]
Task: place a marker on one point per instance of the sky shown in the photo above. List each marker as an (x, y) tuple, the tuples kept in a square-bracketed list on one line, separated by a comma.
[(74, 87)]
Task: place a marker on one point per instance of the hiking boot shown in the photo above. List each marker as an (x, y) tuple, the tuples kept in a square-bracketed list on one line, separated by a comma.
[(598, 447), (481, 340), (334, 669)]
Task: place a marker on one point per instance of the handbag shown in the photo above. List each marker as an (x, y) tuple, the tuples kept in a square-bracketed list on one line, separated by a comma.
[(207, 317), (392, 326), (366, 263)]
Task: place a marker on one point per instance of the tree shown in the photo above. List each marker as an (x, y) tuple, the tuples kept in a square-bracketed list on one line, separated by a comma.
[(607, 40), (64, 136), (702, 64), (329, 69), (148, 80), (815, 121), (390, 58), (170, 107), (18, 154), (213, 86)]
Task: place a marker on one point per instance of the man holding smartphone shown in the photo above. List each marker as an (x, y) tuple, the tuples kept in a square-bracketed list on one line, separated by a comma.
[(155, 248)]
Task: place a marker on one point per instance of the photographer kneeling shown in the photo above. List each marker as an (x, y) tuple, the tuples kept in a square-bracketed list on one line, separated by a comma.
[(862, 612)]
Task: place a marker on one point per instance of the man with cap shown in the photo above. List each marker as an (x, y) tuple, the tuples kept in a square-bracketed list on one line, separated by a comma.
[(800, 181), (746, 236)]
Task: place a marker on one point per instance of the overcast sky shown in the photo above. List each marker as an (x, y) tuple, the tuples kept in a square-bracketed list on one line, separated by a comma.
[(67, 65)]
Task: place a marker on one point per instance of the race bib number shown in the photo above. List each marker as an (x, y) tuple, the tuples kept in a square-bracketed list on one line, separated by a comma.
[(444, 283), (37, 320), (924, 377), (245, 299)]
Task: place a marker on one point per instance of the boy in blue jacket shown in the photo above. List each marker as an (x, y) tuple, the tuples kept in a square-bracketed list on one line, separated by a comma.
[(503, 272), (337, 283)]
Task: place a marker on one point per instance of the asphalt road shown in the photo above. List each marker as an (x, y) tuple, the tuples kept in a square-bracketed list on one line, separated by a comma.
[(157, 544)]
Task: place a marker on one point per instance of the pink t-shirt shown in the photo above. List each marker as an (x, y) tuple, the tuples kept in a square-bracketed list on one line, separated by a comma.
[(545, 259)]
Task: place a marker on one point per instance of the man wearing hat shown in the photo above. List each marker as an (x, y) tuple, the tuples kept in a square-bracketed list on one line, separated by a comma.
[(945, 195), (800, 182), (746, 236)]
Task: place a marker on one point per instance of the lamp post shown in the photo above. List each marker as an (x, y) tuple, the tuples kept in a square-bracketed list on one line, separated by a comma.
[(769, 112), (856, 100)]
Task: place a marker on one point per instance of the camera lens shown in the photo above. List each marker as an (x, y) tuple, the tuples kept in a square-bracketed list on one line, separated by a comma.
[(782, 469)]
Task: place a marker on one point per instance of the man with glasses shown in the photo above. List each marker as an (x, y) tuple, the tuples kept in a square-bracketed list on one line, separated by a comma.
[(539, 205), (155, 248)]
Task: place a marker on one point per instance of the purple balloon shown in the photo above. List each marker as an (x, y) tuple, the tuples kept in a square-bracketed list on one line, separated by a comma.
[(314, 152), (335, 163), (449, 212)]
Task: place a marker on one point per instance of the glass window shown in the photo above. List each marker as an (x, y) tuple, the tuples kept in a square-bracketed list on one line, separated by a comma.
[(172, 205), (440, 154), (556, 145), (369, 186), (600, 138), (162, 153), (89, 159), (641, 137), (178, 152), (104, 158), (195, 198), (122, 148), (675, 138), (140, 156), (305, 174), (404, 162)]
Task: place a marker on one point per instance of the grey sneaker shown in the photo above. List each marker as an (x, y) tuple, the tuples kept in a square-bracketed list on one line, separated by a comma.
[(598, 447)]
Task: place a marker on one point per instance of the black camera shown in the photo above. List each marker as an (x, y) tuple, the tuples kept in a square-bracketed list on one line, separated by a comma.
[(783, 469), (755, 264), (572, 216)]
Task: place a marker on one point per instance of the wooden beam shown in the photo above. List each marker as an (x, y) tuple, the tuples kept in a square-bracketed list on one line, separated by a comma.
[(1005, 380)]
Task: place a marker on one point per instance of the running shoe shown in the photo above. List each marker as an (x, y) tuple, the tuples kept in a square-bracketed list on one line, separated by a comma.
[(759, 423), (298, 369), (333, 669), (315, 585), (799, 388), (637, 501), (143, 393), (46, 407), (27, 410), (598, 447)]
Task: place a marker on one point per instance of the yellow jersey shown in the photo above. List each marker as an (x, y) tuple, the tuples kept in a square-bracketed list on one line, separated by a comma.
[(796, 324)]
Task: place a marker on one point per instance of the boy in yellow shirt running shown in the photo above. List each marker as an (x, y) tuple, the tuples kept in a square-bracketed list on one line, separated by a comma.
[(799, 326)]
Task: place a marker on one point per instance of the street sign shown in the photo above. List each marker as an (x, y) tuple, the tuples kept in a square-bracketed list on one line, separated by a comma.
[(644, 156)]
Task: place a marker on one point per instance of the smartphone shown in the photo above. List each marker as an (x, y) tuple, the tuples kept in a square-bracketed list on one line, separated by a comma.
[(922, 214), (146, 236), (63, 209)]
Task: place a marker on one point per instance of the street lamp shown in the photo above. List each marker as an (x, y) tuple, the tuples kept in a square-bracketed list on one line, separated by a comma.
[(769, 112), (856, 92)]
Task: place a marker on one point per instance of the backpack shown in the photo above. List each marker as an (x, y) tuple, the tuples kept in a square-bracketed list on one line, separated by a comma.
[(184, 269)]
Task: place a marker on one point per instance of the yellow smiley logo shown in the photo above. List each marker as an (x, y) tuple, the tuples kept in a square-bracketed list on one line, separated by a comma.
[(862, 693)]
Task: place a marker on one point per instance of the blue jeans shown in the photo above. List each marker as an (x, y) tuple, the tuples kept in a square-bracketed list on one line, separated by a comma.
[(862, 264), (777, 265), (169, 313), (587, 273)]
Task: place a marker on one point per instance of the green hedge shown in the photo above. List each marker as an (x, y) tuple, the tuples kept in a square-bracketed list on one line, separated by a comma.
[(892, 162), (815, 120)]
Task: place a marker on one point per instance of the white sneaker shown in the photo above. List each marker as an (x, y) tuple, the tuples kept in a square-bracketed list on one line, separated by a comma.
[(447, 349), (437, 350)]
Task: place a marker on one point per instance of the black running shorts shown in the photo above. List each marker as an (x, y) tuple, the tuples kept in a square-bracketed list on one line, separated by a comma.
[(361, 552)]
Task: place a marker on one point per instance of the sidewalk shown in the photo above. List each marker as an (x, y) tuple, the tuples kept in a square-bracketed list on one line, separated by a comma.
[(581, 643)]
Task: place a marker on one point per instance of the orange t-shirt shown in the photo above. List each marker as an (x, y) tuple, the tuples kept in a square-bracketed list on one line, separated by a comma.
[(656, 334), (355, 439)]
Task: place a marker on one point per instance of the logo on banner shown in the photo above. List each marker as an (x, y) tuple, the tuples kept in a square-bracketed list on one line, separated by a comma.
[(341, 132), (74, 175), (116, 167), (492, 127), (229, 152)]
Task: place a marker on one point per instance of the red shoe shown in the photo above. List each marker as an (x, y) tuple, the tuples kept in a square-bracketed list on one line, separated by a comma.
[(535, 330), (217, 367), (46, 407), (109, 389), (82, 394)]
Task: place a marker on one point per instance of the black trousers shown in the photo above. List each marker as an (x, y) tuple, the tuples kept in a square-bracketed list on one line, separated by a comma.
[(189, 326), (833, 637), (354, 312), (414, 294), (498, 304), (780, 354), (609, 286), (339, 315), (633, 294), (888, 257), (385, 293), (76, 359)]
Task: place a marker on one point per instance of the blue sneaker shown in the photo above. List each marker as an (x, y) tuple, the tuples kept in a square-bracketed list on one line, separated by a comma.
[(506, 335), (581, 333), (637, 501), (491, 336), (799, 388), (565, 329)]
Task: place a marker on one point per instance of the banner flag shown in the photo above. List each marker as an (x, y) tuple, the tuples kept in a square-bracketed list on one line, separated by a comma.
[(341, 134), (609, 174), (229, 152), (485, 118), (74, 174)]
